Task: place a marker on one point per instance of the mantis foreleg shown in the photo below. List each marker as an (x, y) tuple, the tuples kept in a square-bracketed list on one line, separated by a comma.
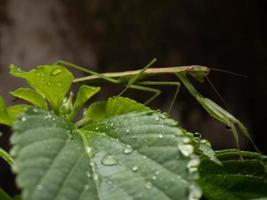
[(217, 112)]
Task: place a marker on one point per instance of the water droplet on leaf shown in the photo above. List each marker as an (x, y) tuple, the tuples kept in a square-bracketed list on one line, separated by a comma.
[(135, 168), (56, 72), (127, 150), (195, 192), (109, 161), (197, 134), (186, 149)]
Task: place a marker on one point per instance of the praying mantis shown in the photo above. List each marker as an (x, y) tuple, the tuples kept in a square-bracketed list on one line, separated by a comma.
[(136, 80)]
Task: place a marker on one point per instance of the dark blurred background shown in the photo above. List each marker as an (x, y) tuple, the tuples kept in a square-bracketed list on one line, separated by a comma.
[(112, 35)]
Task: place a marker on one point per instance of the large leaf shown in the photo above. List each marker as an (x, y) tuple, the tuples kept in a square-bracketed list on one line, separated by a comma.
[(51, 81), (237, 179), (140, 155)]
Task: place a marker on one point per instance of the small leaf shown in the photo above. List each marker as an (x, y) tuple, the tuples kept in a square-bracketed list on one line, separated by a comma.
[(8, 115), (51, 81), (237, 178), (129, 156), (114, 106), (15, 111), (6, 156), (85, 92), (31, 96), (4, 117), (96, 111)]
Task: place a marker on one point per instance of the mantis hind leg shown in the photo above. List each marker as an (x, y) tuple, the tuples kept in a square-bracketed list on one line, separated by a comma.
[(156, 92), (176, 84)]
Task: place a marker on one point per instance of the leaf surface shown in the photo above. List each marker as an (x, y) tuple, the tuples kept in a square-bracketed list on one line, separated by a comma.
[(237, 179), (138, 155)]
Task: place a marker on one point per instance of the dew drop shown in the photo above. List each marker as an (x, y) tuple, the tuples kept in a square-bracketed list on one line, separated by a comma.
[(48, 84), (109, 182), (88, 150), (148, 185), (108, 161), (157, 118), (135, 168), (160, 135), (206, 142), (127, 150), (186, 140), (59, 85), (193, 165), (195, 192), (95, 177), (56, 72), (127, 131), (23, 119), (186, 149), (154, 177), (197, 134)]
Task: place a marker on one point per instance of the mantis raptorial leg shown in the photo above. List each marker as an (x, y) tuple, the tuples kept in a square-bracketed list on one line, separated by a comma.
[(132, 80), (217, 112)]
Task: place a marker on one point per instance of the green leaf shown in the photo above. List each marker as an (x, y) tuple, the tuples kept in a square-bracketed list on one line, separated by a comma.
[(237, 179), (15, 111), (9, 115), (114, 106), (4, 117), (6, 156), (85, 92), (139, 155), (31, 96), (4, 195), (51, 81)]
